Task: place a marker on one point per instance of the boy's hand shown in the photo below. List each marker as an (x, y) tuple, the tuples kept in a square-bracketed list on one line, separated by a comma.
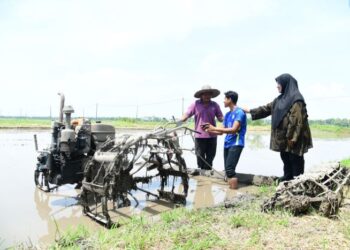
[(204, 126), (208, 127)]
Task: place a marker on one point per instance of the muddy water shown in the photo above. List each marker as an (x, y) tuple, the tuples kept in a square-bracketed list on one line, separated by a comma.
[(31, 216)]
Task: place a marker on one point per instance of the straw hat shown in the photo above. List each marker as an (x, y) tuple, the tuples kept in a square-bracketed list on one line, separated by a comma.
[(207, 89)]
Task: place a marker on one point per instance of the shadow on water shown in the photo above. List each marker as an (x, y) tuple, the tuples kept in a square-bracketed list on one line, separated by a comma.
[(27, 213), (59, 211)]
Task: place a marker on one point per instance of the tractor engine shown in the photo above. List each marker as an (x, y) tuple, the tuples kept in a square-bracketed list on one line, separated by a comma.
[(73, 143)]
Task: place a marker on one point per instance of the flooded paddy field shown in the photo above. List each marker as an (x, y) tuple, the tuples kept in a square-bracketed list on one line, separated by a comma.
[(28, 215)]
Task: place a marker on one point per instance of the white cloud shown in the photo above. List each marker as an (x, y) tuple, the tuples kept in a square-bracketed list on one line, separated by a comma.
[(327, 100), (108, 25), (47, 46), (325, 91)]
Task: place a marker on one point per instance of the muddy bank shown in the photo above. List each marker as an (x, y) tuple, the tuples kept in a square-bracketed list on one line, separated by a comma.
[(218, 228), (245, 179), (36, 213)]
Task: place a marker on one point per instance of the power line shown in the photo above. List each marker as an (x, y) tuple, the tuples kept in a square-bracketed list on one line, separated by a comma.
[(329, 97), (140, 104)]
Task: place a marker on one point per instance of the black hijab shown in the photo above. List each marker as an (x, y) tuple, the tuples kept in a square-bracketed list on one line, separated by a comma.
[(290, 94)]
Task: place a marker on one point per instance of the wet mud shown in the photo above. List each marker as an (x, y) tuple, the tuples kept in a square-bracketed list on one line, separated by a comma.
[(28, 215)]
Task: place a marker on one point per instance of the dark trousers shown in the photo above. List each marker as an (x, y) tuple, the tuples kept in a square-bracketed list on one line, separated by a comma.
[(293, 165), (231, 158), (206, 151)]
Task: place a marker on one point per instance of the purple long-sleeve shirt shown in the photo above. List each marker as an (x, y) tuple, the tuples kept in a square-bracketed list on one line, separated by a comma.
[(204, 114)]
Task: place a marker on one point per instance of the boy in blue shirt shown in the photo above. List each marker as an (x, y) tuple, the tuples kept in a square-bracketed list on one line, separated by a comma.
[(235, 127)]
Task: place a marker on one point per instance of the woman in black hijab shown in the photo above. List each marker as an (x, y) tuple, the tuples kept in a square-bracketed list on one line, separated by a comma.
[(290, 131)]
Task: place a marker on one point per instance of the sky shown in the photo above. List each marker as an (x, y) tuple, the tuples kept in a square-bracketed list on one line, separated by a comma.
[(148, 58)]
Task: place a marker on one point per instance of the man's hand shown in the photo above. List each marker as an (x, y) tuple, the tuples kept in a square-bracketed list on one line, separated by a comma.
[(179, 123), (291, 143)]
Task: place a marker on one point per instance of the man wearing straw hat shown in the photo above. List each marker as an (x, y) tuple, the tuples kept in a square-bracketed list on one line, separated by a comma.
[(204, 111)]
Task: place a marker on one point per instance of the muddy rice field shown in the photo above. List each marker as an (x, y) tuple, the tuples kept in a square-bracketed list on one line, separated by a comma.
[(30, 216)]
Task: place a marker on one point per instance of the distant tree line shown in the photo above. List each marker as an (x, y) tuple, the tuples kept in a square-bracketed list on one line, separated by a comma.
[(125, 119), (261, 122), (332, 121)]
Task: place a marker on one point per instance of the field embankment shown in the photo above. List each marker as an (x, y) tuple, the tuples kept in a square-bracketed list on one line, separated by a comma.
[(241, 227), (319, 130)]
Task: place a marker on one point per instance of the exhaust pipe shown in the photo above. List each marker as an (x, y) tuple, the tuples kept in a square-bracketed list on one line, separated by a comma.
[(36, 143), (61, 107)]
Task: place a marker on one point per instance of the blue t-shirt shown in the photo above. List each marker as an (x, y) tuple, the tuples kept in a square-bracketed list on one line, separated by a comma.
[(235, 139)]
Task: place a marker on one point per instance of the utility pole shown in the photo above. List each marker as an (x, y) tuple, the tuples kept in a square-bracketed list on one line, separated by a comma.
[(137, 111), (50, 114), (182, 106), (96, 110)]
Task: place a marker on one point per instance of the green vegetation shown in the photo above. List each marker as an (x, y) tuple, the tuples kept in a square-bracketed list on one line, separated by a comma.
[(266, 190), (319, 128), (345, 163), (133, 123), (241, 227), (24, 123), (175, 230), (324, 131), (332, 122), (72, 236), (333, 128), (46, 123)]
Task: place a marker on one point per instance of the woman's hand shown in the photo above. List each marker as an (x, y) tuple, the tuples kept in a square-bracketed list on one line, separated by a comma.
[(246, 110)]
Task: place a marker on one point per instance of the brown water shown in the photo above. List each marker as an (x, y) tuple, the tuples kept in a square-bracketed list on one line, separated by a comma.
[(31, 216)]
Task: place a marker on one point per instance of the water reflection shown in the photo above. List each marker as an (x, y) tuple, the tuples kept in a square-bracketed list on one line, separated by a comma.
[(203, 194), (30, 213), (59, 211), (256, 141)]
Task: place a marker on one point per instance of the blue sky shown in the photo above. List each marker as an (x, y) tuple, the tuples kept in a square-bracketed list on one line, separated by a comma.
[(151, 54)]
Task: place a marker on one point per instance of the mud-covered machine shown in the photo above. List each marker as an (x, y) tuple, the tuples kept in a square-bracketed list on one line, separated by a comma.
[(73, 143), (109, 168)]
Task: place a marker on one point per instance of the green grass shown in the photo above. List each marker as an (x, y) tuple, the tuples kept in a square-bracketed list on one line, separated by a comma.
[(266, 190), (250, 219), (254, 238), (344, 218), (24, 122), (317, 130), (176, 229), (347, 229), (182, 228), (345, 162), (46, 123), (242, 227), (174, 215), (133, 123), (323, 131), (73, 236)]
